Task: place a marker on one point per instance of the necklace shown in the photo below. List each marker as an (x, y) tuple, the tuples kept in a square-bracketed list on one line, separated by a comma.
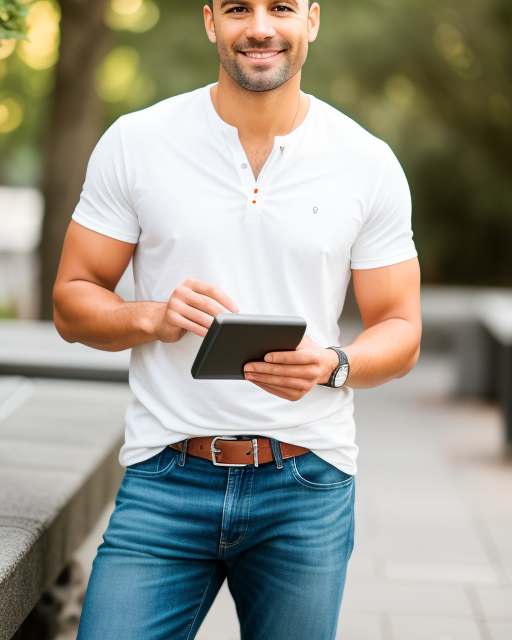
[(296, 114)]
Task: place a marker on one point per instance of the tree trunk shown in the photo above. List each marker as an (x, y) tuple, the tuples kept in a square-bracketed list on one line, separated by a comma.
[(74, 128)]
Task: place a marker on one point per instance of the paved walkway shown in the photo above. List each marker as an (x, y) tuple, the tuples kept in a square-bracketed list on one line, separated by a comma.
[(433, 552)]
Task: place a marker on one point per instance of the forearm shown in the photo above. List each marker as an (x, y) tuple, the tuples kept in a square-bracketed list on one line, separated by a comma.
[(382, 353), (92, 315)]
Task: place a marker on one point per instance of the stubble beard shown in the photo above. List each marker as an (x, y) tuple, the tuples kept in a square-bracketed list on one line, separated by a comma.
[(260, 79)]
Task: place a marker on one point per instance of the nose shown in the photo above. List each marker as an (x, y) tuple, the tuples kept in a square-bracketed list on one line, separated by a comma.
[(260, 25)]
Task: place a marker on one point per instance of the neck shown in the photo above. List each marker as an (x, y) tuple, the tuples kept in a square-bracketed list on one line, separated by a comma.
[(259, 115)]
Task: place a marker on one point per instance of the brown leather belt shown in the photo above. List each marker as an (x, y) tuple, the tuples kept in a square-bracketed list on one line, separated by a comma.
[(229, 451)]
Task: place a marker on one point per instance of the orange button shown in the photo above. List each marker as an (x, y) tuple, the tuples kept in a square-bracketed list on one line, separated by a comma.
[(255, 190), (254, 201)]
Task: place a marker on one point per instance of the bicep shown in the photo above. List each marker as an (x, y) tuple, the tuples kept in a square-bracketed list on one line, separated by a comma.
[(93, 257), (389, 292)]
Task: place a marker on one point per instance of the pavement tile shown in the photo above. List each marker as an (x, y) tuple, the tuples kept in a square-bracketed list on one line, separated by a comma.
[(433, 628), (441, 572), (500, 630), (371, 596), (358, 626), (496, 602), (439, 548)]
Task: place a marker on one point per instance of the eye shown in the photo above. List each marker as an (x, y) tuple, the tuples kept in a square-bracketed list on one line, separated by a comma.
[(282, 8), (236, 10)]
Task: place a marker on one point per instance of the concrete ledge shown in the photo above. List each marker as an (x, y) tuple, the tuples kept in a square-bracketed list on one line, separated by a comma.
[(58, 470), (478, 322), (35, 349)]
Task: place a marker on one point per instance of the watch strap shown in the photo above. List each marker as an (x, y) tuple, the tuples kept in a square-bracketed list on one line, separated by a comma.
[(342, 360)]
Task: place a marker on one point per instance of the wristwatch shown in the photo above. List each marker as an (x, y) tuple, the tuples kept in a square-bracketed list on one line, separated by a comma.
[(340, 374)]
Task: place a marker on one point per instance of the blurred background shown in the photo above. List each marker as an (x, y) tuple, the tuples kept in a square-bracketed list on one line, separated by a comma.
[(431, 78)]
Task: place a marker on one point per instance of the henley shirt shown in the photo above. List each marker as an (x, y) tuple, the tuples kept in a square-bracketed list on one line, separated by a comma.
[(174, 179)]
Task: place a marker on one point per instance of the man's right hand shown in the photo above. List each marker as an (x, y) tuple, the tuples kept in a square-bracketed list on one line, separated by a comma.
[(192, 307)]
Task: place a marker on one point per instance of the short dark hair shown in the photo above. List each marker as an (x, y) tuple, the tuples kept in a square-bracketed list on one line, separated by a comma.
[(210, 2)]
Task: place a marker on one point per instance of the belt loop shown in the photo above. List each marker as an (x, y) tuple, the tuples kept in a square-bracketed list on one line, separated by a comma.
[(276, 450), (184, 449)]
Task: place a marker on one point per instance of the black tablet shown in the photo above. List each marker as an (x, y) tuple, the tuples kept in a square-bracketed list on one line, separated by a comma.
[(234, 339)]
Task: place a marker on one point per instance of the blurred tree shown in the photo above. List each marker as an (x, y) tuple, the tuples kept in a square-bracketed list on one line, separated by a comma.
[(75, 124)]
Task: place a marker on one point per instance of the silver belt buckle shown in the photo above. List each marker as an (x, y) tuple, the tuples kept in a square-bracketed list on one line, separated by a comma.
[(215, 451)]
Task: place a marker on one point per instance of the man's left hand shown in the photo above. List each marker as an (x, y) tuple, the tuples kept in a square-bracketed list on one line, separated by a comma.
[(292, 374)]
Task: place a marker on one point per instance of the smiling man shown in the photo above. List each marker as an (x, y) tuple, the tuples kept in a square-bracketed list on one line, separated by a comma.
[(244, 195)]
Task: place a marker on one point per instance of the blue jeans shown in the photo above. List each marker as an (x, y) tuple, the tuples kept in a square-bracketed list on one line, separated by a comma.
[(282, 534)]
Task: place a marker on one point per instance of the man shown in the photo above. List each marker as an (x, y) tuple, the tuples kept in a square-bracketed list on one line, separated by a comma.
[(246, 195)]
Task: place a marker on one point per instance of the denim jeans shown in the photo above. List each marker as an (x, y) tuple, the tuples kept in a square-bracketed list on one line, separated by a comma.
[(281, 533)]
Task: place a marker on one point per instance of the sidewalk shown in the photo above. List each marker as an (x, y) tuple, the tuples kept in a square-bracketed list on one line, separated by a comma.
[(433, 551)]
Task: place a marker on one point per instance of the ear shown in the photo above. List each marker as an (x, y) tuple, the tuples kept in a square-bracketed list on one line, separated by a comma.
[(209, 23), (313, 22)]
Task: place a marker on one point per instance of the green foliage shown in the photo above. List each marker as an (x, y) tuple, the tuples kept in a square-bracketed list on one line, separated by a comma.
[(12, 20)]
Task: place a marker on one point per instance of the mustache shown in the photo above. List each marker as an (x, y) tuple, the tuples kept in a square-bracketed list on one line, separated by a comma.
[(248, 46)]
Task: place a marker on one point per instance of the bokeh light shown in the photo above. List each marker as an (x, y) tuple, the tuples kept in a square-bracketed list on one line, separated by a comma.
[(126, 7), (6, 48), (11, 112), (451, 44), (132, 15), (400, 90), (41, 50), (117, 73)]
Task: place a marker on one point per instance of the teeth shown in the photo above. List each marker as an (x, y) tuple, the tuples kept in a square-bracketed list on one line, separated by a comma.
[(260, 55)]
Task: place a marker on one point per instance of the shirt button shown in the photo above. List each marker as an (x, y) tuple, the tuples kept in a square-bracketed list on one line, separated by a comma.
[(244, 166)]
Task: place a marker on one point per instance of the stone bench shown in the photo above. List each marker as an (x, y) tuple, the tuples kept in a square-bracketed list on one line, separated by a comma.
[(59, 446), (494, 316), (477, 324), (35, 349)]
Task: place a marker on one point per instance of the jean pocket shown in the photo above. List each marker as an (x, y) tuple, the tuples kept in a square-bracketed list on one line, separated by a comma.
[(312, 471), (155, 467)]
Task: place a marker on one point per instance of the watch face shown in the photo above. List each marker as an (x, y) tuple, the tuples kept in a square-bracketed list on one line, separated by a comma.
[(341, 376)]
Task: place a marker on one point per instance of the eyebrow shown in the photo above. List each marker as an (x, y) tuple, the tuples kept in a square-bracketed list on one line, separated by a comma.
[(243, 3)]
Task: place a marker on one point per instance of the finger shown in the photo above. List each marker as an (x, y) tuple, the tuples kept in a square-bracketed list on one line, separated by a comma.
[(304, 356), (205, 304), (213, 292), (277, 381), (191, 313), (308, 371), (179, 321)]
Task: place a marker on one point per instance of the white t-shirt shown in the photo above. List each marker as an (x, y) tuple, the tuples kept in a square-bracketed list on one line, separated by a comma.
[(174, 178)]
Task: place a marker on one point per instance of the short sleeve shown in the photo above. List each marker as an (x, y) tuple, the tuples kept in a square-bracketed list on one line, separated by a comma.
[(105, 204), (385, 237)]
